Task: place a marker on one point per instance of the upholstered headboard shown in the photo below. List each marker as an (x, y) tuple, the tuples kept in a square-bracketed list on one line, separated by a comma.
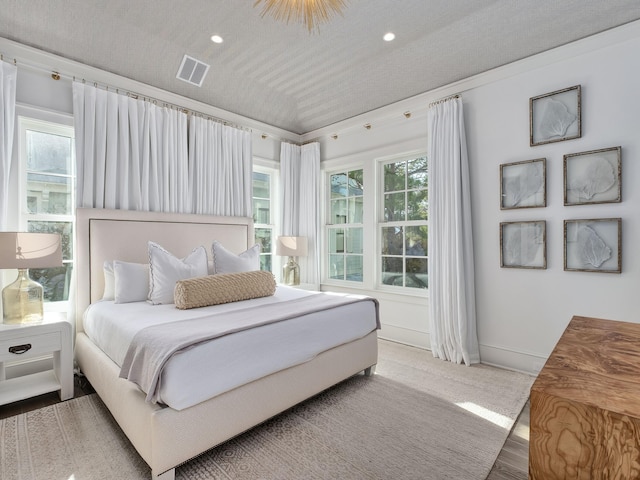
[(103, 234)]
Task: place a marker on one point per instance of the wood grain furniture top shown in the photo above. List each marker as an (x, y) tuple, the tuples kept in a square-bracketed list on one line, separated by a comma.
[(597, 363), (585, 405)]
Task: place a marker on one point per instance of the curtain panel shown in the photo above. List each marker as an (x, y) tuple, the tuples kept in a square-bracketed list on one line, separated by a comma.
[(221, 168), (300, 203), (130, 154), (452, 306), (8, 75)]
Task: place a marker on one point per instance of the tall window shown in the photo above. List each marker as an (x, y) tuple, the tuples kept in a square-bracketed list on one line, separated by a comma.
[(263, 216), (344, 226), (47, 195), (403, 229)]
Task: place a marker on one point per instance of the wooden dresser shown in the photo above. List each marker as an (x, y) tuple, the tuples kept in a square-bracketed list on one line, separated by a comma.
[(585, 404)]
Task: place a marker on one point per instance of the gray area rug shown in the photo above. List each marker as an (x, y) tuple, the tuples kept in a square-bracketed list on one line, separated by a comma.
[(417, 418)]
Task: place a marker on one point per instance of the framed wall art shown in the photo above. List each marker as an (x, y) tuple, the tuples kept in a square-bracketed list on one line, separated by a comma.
[(523, 184), (593, 245), (523, 244), (555, 116), (593, 177)]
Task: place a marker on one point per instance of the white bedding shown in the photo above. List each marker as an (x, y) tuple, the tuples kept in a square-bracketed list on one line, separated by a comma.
[(214, 367)]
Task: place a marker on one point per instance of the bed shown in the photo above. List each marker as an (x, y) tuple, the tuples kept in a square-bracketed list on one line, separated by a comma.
[(166, 437)]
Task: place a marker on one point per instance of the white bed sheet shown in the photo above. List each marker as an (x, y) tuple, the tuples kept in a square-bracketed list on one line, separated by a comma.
[(217, 366)]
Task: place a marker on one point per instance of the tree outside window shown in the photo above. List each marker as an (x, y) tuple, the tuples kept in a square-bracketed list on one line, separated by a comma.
[(403, 229)]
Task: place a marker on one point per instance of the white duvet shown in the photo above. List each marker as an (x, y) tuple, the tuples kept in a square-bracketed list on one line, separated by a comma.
[(217, 366)]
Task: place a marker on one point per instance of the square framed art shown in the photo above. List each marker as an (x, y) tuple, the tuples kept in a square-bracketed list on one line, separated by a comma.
[(593, 245), (555, 116), (523, 244), (523, 184), (593, 177)]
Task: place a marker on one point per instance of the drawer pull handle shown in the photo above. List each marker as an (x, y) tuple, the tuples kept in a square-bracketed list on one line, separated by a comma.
[(19, 349)]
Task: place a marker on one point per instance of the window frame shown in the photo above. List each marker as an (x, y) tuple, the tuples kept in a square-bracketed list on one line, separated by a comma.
[(329, 226), (34, 119), (272, 172), (381, 224)]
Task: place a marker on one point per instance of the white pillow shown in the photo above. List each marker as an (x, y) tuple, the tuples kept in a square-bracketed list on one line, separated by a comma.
[(225, 261), (131, 282), (166, 270), (109, 292)]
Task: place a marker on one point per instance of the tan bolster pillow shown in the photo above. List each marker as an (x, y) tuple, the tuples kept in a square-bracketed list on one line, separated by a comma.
[(223, 288)]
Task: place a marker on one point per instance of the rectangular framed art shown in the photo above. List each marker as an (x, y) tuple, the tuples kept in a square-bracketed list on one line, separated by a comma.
[(593, 245), (523, 184), (523, 244), (555, 116), (593, 177)]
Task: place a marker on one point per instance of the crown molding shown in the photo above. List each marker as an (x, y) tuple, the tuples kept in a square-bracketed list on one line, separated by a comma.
[(29, 57)]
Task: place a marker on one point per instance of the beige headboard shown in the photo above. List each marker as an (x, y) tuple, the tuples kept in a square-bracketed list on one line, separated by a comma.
[(103, 234)]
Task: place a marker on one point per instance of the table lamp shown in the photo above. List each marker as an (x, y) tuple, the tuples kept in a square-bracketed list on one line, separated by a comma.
[(291, 247), (22, 300)]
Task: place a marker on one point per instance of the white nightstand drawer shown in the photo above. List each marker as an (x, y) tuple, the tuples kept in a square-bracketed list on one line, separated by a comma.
[(26, 346), (25, 342)]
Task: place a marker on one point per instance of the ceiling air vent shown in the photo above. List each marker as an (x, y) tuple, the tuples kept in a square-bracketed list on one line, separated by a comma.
[(192, 71)]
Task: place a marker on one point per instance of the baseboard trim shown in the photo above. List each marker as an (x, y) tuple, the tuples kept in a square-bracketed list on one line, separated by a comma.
[(413, 338), (524, 362)]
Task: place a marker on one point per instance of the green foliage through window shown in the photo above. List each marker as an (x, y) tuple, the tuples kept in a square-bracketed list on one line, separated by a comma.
[(404, 231)]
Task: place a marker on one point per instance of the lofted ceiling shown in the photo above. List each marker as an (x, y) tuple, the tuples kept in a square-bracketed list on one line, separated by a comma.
[(289, 78)]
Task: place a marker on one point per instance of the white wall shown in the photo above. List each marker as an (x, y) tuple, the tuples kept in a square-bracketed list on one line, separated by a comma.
[(522, 313), (526, 311)]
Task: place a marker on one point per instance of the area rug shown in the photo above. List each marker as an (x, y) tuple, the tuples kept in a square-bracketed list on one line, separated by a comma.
[(417, 418)]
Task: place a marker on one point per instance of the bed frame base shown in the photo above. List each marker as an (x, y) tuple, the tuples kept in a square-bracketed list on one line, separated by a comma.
[(165, 438)]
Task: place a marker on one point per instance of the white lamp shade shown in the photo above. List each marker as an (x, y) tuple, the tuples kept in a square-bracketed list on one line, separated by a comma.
[(291, 246), (30, 250)]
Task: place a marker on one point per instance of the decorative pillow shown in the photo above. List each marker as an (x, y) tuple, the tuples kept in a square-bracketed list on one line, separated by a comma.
[(225, 261), (223, 288), (166, 270), (131, 282), (109, 292)]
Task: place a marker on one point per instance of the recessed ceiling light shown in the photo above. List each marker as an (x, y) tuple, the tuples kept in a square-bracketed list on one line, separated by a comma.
[(216, 39), (389, 36)]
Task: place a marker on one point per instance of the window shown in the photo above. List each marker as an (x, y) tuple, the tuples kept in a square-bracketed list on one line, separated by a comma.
[(263, 216), (344, 229), (47, 190), (403, 229)]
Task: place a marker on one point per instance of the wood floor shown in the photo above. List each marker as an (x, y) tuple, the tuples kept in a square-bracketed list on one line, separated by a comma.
[(511, 464), (81, 386)]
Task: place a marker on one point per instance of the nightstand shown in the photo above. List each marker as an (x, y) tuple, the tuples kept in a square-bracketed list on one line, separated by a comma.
[(22, 342)]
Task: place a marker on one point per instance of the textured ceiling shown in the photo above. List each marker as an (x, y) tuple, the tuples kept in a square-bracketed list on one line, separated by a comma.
[(284, 76)]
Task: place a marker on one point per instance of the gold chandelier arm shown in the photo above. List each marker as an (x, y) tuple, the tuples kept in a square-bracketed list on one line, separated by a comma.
[(310, 12)]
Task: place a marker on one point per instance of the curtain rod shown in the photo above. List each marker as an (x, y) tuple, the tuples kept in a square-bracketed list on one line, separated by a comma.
[(56, 75), (445, 99)]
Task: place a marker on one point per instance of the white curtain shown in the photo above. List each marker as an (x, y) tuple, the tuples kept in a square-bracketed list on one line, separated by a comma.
[(452, 306), (300, 200), (130, 154), (8, 74), (221, 168)]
